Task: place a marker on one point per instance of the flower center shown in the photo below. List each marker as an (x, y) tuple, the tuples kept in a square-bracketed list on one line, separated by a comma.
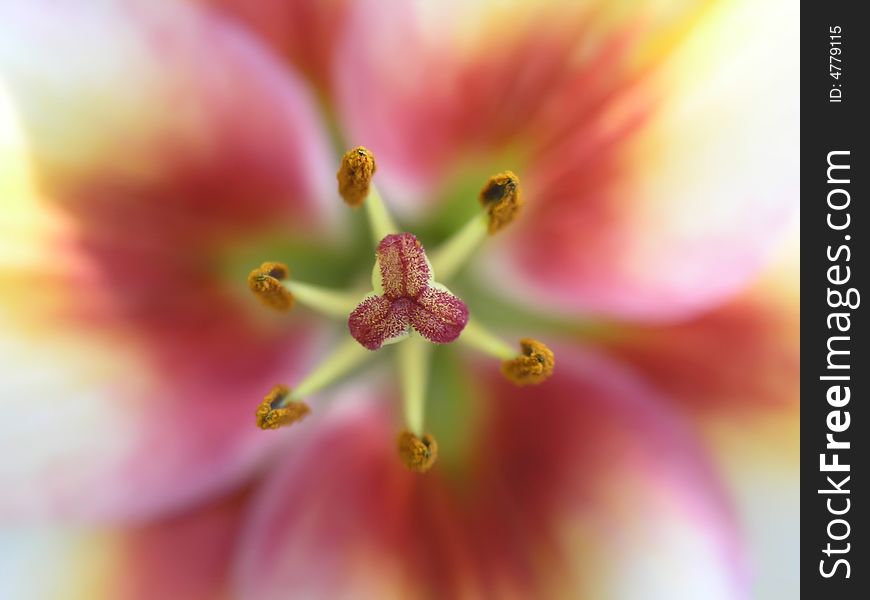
[(406, 304)]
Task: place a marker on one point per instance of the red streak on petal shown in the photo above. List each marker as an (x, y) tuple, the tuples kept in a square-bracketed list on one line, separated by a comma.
[(187, 555), (760, 373), (190, 163), (588, 449), (305, 32)]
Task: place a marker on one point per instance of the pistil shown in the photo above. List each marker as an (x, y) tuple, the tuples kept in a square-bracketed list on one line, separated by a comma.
[(413, 365)]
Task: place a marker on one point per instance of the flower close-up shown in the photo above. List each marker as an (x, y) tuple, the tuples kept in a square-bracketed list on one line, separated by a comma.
[(398, 299)]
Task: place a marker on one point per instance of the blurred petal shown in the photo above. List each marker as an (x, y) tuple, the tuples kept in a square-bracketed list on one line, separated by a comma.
[(130, 367), (741, 359), (185, 555), (671, 198), (582, 487), (656, 161), (442, 80), (305, 32), (141, 101), (760, 463), (46, 563)]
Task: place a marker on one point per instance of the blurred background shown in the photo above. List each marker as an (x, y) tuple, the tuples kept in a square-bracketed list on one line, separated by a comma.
[(153, 152)]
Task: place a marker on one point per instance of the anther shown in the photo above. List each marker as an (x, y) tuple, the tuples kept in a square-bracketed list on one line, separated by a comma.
[(265, 282), (502, 200), (355, 175), (418, 454), (533, 366), (277, 411)]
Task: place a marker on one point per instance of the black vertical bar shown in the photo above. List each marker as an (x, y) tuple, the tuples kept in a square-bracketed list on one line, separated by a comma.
[(835, 110)]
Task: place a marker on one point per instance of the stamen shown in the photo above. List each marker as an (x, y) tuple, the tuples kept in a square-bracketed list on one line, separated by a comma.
[(502, 200), (479, 338), (265, 282), (276, 410), (413, 363), (355, 174), (455, 252), (533, 366), (380, 221), (282, 406), (331, 303), (418, 454), (338, 364), (355, 187)]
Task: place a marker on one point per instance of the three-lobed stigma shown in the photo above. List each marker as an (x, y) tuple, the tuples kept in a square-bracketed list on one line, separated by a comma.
[(410, 299)]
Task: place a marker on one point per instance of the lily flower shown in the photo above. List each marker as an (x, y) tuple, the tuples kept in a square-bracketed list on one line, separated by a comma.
[(601, 187)]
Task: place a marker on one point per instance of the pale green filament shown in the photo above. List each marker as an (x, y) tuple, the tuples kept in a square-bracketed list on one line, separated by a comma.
[(476, 336), (338, 364), (331, 303), (455, 252), (413, 363), (380, 221)]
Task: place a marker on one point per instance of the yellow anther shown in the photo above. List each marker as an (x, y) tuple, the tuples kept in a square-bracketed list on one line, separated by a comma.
[(418, 455), (265, 282), (275, 411), (533, 366), (355, 175), (502, 200)]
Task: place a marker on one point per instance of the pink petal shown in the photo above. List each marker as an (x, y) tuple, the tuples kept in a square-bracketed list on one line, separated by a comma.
[(179, 138), (184, 555), (305, 32), (657, 176), (439, 316), (377, 320), (442, 83), (159, 138), (404, 270), (583, 485)]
